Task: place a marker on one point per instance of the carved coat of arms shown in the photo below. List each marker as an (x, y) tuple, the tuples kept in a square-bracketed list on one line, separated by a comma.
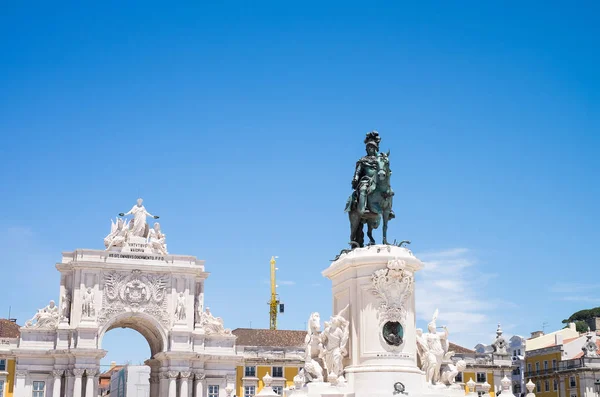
[(394, 286), (134, 291)]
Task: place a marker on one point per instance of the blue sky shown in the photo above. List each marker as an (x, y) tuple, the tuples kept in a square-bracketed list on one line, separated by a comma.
[(239, 124)]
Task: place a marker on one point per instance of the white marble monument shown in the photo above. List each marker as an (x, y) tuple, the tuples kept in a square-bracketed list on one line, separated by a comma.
[(372, 346), (132, 283)]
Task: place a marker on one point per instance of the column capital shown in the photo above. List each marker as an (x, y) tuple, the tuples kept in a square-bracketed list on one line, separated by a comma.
[(199, 376), (185, 374), (58, 373), (91, 372), (21, 373), (172, 374), (78, 372)]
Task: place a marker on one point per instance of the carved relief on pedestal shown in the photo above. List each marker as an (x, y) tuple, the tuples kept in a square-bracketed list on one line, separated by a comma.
[(134, 291), (394, 286)]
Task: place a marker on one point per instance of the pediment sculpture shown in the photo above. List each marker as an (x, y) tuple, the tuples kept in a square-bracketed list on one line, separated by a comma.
[(212, 325), (47, 317), (136, 229)]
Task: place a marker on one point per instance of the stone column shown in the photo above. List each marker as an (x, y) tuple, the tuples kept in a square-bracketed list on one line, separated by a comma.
[(172, 383), (77, 386), (183, 384), (57, 374), (154, 385), (69, 380), (163, 386), (89, 387), (199, 383), (20, 377)]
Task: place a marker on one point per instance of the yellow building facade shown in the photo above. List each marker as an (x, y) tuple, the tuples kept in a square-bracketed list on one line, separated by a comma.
[(9, 336), (479, 376), (280, 353), (560, 366)]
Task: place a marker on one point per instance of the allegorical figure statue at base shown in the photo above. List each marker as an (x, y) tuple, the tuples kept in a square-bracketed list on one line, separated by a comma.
[(313, 371), (139, 225), (371, 199), (334, 339), (432, 348)]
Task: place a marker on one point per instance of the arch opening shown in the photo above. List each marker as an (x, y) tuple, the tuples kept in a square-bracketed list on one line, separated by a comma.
[(144, 324)]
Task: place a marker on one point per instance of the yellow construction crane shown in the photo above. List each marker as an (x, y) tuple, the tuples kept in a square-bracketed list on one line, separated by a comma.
[(274, 305)]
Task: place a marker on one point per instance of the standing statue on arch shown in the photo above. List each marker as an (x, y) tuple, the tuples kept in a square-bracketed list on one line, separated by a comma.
[(138, 225), (371, 199)]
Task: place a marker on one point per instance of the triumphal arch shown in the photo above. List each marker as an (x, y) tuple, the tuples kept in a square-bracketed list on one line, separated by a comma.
[(134, 282)]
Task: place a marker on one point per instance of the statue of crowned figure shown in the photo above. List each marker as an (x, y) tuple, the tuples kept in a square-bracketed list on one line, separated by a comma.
[(371, 199)]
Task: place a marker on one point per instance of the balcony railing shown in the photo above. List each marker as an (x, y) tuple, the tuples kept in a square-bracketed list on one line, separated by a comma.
[(540, 372)]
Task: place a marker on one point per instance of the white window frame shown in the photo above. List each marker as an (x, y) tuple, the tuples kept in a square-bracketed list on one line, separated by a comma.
[(555, 386), (250, 376), (34, 392), (273, 371), (247, 391), (545, 365), (538, 386), (209, 394), (572, 382), (280, 388), (484, 377), (2, 383), (546, 386), (3, 362)]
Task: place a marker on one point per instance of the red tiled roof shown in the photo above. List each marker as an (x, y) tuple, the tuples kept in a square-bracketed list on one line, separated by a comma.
[(112, 370), (9, 329), (459, 349)]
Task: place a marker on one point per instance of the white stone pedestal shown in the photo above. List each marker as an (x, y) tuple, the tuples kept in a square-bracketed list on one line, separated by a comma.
[(378, 284)]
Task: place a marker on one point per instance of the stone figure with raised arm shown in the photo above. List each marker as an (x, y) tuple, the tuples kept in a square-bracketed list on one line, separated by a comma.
[(46, 317), (334, 339), (157, 239), (436, 344), (87, 307), (140, 226), (313, 371)]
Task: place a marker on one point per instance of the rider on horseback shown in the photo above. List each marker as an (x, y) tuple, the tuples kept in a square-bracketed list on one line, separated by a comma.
[(371, 199), (365, 178)]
